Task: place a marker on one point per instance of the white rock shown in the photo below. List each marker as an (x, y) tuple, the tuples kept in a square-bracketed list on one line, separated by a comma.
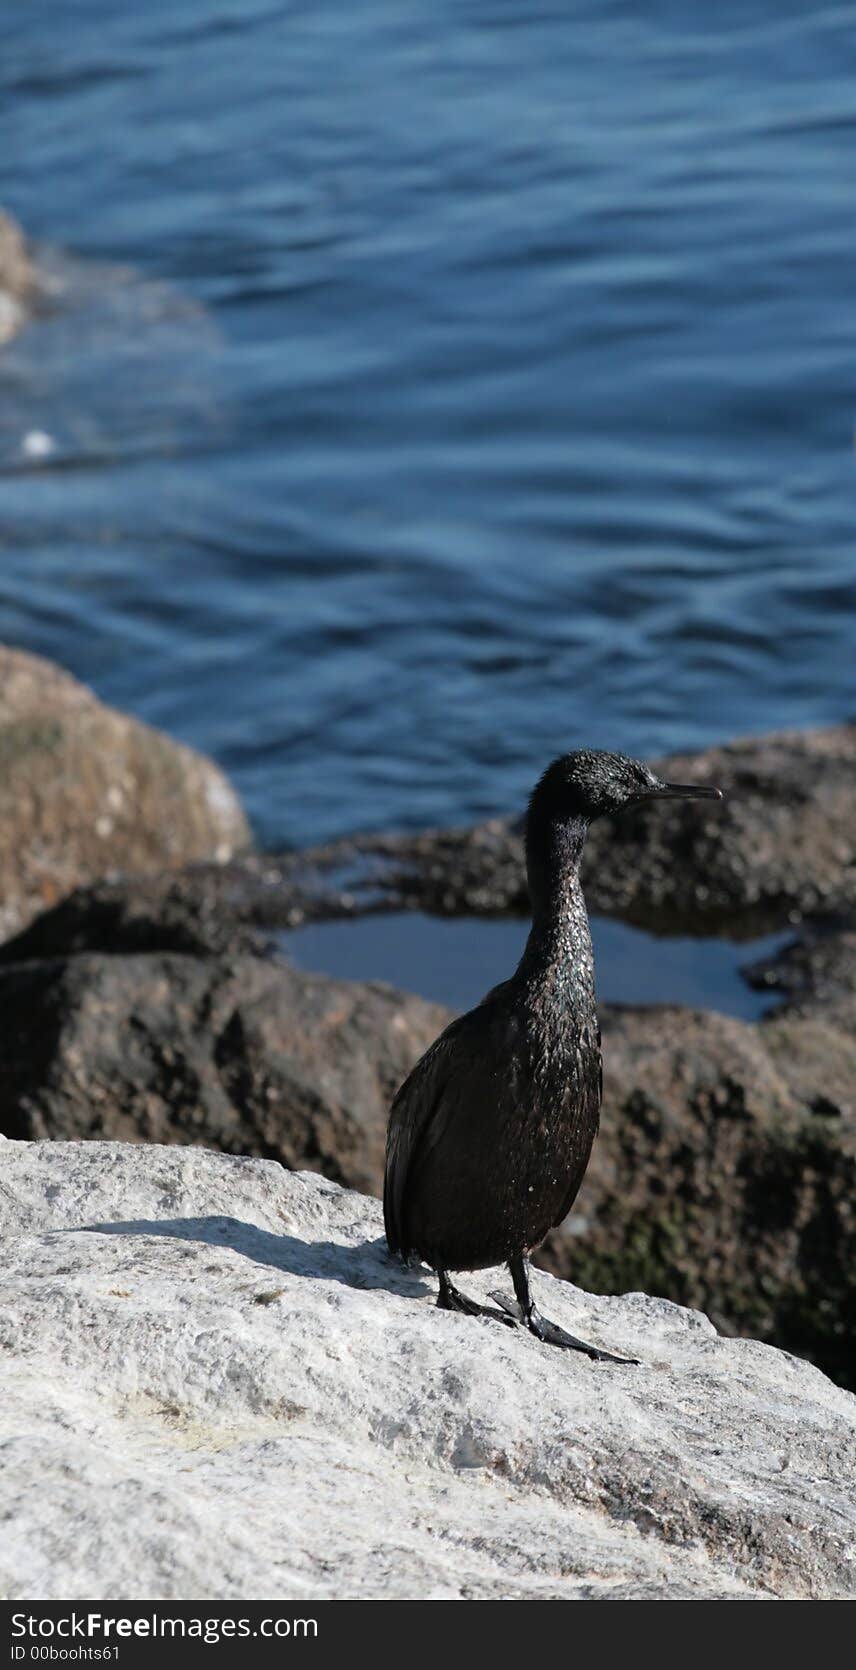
[(216, 1384)]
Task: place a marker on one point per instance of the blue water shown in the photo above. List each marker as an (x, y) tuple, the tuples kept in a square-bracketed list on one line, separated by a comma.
[(427, 389), (455, 960)]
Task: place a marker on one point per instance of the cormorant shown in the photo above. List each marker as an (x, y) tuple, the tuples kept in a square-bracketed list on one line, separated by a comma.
[(490, 1136)]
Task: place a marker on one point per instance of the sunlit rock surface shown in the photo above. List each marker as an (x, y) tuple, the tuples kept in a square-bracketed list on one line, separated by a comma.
[(216, 1384), (85, 790)]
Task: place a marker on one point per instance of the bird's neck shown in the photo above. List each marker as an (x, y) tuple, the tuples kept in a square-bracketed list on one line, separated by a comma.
[(558, 951)]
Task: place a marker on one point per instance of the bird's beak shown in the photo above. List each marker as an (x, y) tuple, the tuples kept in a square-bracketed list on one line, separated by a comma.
[(685, 791)]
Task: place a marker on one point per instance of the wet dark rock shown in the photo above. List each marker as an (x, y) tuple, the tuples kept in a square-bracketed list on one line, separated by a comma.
[(724, 1176), (781, 847), (819, 965), (239, 1053), (203, 910)]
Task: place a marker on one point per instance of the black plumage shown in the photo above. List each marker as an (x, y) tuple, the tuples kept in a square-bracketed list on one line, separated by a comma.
[(490, 1136)]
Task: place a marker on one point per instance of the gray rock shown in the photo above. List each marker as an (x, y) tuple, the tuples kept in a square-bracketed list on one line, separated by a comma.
[(85, 790), (205, 910), (241, 1053), (220, 1354), (817, 967), (725, 1172)]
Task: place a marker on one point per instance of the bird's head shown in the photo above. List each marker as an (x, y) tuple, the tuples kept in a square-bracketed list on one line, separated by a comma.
[(589, 784)]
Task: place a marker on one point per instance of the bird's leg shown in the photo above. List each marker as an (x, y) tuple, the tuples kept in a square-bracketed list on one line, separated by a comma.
[(524, 1310), (449, 1298)]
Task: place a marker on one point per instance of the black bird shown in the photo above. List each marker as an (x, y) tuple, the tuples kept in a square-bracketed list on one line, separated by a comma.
[(490, 1136)]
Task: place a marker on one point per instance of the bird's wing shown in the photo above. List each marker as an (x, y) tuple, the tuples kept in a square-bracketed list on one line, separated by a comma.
[(415, 1108), (595, 1091)]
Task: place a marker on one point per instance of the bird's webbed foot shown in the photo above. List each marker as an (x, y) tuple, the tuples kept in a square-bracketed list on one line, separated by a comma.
[(451, 1298), (522, 1310), (552, 1334)]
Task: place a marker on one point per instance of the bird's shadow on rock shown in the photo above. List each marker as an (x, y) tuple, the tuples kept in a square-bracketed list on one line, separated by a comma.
[(366, 1265)]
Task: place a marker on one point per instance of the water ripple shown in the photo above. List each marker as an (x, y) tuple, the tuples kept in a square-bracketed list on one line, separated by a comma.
[(428, 394)]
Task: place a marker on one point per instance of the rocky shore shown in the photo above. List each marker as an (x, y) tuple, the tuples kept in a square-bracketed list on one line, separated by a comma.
[(725, 1170), (146, 1003), (229, 1361)]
